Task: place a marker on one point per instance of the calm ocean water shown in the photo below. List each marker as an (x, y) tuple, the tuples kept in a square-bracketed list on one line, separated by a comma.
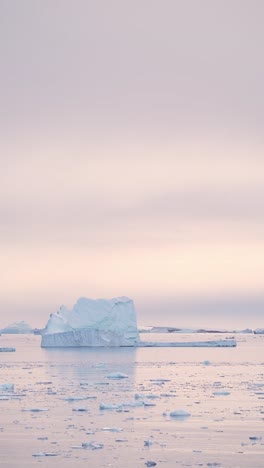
[(53, 415)]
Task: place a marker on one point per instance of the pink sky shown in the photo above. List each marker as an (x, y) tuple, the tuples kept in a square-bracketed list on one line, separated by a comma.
[(131, 152)]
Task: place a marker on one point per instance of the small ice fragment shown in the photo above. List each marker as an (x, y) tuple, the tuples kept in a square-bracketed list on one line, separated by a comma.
[(44, 383), (92, 445), (35, 410), (223, 393), (206, 363), (133, 403), (7, 350), (112, 429), (255, 438), (117, 375), (80, 408), (44, 454), (148, 443), (160, 381), (75, 398), (150, 463), (3, 397), (139, 396), (7, 387), (149, 403), (180, 414), (109, 406)]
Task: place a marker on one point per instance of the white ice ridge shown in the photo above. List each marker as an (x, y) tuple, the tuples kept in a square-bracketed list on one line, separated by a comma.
[(98, 322)]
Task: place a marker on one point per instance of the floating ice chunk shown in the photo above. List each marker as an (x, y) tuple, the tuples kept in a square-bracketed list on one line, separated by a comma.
[(255, 438), (221, 393), (109, 406), (44, 383), (78, 398), (148, 443), (180, 414), (259, 331), (7, 387), (160, 380), (92, 445), (35, 410), (142, 396), (206, 363), (3, 397), (7, 350), (150, 463), (148, 403), (112, 429), (117, 376), (133, 403), (80, 408), (44, 454)]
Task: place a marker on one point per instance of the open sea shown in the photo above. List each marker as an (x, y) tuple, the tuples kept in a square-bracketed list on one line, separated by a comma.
[(124, 407)]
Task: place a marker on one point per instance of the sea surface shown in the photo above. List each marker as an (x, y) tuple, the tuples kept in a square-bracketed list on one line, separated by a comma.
[(52, 417)]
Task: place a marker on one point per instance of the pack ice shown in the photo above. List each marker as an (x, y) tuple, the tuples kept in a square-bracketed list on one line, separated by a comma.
[(93, 322)]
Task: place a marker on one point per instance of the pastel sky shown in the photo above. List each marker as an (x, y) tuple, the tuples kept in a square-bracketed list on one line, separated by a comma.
[(132, 158)]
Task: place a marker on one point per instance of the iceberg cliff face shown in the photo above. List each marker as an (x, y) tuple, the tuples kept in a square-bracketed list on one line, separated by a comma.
[(99, 322)]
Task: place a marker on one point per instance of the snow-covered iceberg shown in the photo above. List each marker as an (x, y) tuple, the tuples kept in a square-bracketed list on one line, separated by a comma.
[(17, 327), (98, 322)]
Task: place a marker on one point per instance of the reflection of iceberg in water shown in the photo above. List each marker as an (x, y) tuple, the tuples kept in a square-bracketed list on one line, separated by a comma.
[(97, 322), (85, 370)]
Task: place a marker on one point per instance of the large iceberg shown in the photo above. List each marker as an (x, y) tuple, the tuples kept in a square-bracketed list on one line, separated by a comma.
[(98, 322)]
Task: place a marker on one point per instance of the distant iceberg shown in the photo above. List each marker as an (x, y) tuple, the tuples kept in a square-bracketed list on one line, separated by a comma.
[(17, 327), (98, 322)]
